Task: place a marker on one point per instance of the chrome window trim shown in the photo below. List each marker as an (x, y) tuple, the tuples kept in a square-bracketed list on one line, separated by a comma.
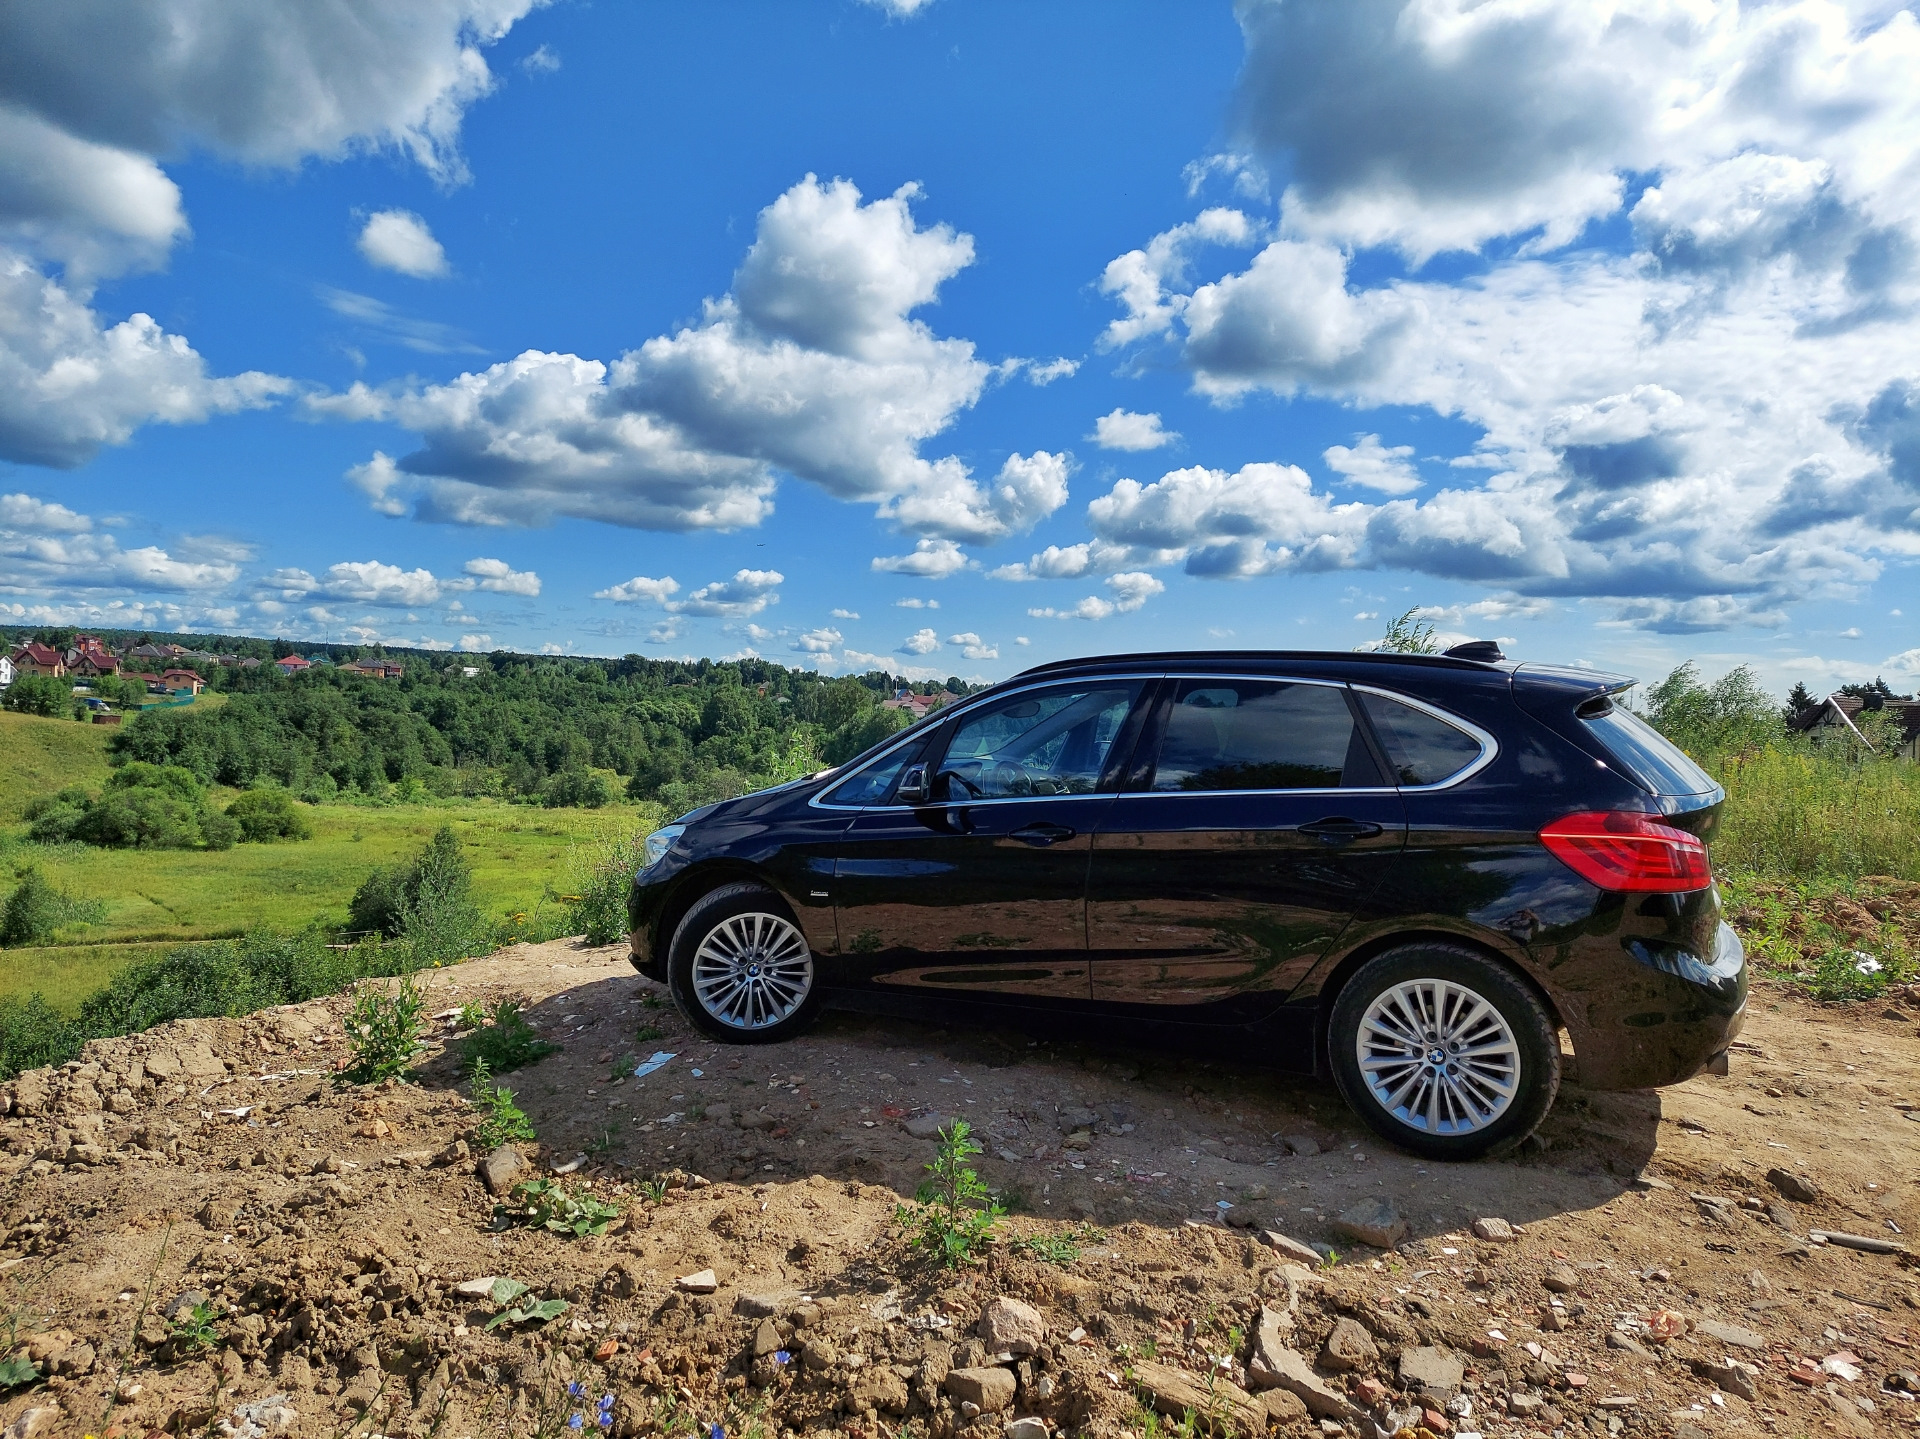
[(818, 802), (1489, 746)]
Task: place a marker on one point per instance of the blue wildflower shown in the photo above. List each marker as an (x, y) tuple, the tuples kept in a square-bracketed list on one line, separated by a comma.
[(574, 1422), (717, 1433), (576, 1390), (781, 1356)]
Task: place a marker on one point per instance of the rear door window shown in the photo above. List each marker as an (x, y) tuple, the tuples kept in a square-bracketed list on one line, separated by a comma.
[(1423, 748), (1247, 734), (1649, 758)]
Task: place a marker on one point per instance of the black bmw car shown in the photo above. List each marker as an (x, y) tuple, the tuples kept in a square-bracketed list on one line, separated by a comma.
[(1414, 874)]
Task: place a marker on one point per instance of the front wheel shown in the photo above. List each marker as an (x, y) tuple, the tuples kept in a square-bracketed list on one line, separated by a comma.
[(1444, 1052), (740, 970)]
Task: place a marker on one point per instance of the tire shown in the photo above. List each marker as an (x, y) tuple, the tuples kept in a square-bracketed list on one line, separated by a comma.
[(740, 969), (1475, 1109)]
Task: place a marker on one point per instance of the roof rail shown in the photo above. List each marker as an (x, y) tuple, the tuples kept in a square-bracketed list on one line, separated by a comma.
[(1447, 661)]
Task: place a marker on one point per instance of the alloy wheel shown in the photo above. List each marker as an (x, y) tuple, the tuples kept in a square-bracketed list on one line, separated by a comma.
[(1438, 1057), (752, 971)]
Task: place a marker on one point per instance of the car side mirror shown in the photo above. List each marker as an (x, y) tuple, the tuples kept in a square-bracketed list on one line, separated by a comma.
[(912, 788)]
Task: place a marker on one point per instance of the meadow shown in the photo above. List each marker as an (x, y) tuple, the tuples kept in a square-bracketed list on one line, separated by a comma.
[(522, 858)]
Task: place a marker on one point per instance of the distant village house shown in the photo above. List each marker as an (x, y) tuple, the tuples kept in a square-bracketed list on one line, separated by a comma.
[(1842, 712)]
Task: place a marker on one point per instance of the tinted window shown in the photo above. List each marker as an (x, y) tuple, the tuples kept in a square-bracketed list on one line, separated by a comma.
[(1039, 743), (1260, 734), (1422, 749), (875, 783), (1649, 758)]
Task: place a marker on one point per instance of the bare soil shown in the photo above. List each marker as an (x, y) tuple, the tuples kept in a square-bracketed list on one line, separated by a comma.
[(326, 1228)]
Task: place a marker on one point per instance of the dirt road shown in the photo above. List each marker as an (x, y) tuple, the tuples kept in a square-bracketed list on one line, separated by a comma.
[(1657, 1279)]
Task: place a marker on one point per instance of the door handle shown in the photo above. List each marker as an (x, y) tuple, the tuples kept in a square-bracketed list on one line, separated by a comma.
[(1041, 835), (1340, 830)]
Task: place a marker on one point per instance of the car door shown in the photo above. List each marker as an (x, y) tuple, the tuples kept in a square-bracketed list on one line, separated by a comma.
[(980, 885), (1253, 823)]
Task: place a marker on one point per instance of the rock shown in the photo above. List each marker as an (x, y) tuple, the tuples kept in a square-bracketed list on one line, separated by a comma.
[(766, 1339), (1239, 1216), (1291, 1248), (1797, 1187), (755, 1120), (820, 1354), (1348, 1347), (1783, 1217), (1269, 1345), (1077, 1117), (1851, 1420), (989, 1387), (1223, 1407), (1428, 1368), (1730, 1375), (499, 1170), (927, 1126), (761, 1306), (1562, 1279), (31, 1423), (880, 1388), (1521, 1404), (1372, 1221), (481, 1288), (455, 1153), (1494, 1231), (1731, 1334), (1278, 1367), (1303, 1144), (1011, 1326), (1284, 1408), (701, 1281), (1028, 1428)]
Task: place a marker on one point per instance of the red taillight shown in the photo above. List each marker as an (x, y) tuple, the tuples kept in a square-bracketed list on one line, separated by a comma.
[(1627, 851)]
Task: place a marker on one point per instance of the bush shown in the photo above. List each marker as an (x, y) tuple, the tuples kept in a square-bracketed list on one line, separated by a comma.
[(33, 1033), (144, 806), (40, 695), (577, 789), (598, 888), (436, 880), (505, 1042), (36, 909), (266, 815), (383, 1030)]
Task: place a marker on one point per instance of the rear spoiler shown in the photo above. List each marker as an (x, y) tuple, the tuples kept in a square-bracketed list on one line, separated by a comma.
[(1554, 690)]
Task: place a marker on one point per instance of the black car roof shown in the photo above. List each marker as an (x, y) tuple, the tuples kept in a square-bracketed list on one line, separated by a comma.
[(1196, 659)]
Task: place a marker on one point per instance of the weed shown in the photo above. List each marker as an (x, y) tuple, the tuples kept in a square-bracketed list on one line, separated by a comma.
[(195, 1331), (506, 1041), (647, 1034), (1061, 1249), (654, 1191), (470, 1017), (603, 1144), (17, 1370), (650, 999), (501, 1120), (624, 1067), (574, 1213), (600, 877), (953, 1214), (506, 1291), (383, 1031)]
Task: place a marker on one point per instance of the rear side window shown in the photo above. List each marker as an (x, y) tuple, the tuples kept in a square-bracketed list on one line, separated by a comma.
[(1649, 758), (1423, 748), (1260, 734)]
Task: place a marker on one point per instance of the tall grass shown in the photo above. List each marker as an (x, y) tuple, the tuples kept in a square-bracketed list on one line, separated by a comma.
[(1797, 810)]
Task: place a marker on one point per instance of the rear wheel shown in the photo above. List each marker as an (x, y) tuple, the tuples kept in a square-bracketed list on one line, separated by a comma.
[(1444, 1052), (740, 970)]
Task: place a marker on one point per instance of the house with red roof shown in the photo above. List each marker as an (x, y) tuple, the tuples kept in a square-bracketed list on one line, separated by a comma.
[(34, 658), (292, 665), (177, 680)]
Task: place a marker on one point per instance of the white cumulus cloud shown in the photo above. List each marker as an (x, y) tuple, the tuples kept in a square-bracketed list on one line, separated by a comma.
[(920, 642), (930, 559), (973, 647), (1386, 468), (1125, 430), (400, 240), (502, 579), (747, 593)]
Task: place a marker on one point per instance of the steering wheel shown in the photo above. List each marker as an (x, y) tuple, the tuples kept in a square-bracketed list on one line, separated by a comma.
[(1010, 777)]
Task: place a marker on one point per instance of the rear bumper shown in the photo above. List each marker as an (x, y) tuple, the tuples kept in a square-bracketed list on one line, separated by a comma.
[(1672, 1015)]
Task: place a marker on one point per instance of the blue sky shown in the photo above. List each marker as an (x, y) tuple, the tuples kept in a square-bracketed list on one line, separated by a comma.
[(953, 336)]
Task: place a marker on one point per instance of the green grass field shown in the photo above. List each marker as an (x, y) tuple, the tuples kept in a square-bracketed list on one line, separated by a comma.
[(155, 898)]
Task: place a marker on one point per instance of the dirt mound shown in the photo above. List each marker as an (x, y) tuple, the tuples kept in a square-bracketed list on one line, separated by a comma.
[(204, 1233)]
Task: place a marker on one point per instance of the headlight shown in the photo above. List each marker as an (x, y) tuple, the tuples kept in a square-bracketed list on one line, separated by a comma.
[(660, 841)]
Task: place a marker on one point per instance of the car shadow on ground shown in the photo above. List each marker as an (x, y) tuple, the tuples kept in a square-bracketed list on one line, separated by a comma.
[(1073, 1127)]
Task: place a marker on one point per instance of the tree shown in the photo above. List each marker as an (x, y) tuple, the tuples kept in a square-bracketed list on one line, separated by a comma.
[(1799, 700), (265, 815), (40, 695), (1732, 713), (1873, 696), (1408, 634)]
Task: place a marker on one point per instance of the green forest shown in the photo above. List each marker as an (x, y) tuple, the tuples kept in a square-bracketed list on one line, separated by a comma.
[(541, 729)]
